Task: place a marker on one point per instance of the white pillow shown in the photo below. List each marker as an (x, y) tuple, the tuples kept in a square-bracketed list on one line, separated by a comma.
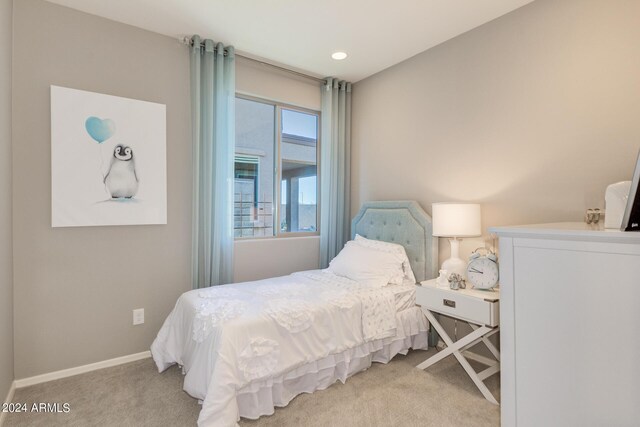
[(407, 275), (366, 265)]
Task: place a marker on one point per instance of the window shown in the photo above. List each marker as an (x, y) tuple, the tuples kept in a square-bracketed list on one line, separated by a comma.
[(275, 144), (254, 166), (299, 172)]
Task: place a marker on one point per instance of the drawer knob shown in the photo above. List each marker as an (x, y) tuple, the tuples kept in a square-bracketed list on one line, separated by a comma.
[(449, 303)]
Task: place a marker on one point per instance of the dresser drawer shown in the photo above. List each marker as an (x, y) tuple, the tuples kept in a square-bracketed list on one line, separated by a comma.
[(482, 311)]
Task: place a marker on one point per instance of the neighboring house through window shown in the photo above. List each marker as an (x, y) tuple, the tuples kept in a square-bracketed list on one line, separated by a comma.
[(275, 143)]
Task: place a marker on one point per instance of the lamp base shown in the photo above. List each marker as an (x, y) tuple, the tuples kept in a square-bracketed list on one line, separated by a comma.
[(455, 265)]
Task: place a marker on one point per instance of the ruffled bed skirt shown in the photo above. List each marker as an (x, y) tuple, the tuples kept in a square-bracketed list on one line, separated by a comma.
[(262, 397)]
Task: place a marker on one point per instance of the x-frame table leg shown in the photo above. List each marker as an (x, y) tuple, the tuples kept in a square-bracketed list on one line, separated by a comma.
[(455, 348), (489, 344)]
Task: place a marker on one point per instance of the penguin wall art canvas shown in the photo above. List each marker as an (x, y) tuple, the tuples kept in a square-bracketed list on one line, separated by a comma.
[(108, 160)]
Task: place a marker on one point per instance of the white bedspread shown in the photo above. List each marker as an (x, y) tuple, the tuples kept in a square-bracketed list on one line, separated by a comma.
[(228, 336)]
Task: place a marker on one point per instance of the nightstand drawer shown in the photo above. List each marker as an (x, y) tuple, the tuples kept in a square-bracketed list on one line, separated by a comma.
[(459, 305)]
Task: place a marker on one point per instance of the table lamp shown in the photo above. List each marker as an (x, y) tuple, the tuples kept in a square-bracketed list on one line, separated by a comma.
[(456, 220)]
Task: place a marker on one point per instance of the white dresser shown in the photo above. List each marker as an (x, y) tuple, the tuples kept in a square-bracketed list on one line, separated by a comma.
[(570, 326)]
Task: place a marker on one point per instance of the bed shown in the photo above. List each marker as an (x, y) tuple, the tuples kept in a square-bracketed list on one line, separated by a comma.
[(248, 348)]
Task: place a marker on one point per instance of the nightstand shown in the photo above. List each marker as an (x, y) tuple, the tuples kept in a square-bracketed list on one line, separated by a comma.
[(480, 309)]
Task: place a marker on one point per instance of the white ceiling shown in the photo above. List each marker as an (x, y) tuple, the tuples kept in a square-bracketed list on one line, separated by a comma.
[(303, 33)]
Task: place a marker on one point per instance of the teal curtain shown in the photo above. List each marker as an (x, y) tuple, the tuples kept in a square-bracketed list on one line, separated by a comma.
[(335, 169), (213, 127)]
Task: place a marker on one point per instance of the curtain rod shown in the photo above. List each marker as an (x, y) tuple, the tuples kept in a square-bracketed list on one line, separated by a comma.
[(187, 41)]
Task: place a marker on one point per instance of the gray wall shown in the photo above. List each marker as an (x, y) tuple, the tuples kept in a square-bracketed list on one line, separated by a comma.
[(72, 307), (532, 115), (262, 258), (6, 280), (75, 288)]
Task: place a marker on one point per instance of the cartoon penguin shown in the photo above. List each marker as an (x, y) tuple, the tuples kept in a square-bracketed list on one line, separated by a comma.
[(121, 179)]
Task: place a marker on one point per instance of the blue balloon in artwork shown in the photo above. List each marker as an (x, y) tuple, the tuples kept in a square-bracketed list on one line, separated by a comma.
[(100, 129)]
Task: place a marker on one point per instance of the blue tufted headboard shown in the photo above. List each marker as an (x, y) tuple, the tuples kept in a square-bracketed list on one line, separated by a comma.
[(404, 223)]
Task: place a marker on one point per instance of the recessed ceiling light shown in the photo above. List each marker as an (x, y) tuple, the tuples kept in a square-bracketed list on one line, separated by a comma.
[(338, 56)]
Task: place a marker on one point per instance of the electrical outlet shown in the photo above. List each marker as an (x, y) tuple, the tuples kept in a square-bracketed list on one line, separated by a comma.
[(138, 316)]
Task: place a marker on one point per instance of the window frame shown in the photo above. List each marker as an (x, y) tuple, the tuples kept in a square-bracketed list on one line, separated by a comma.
[(277, 167)]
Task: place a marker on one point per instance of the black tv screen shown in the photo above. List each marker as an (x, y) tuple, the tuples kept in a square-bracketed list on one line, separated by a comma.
[(631, 219)]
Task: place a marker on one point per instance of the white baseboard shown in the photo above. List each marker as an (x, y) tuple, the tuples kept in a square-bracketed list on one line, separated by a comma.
[(9, 398), (25, 382)]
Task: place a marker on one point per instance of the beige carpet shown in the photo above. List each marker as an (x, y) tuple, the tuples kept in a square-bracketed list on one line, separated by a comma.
[(395, 394)]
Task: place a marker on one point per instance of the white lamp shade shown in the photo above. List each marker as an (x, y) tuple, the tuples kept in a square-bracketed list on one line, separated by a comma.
[(456, 220)]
